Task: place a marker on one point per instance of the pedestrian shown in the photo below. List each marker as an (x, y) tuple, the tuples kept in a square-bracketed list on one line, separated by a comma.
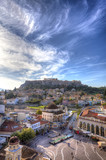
[(72, 155)]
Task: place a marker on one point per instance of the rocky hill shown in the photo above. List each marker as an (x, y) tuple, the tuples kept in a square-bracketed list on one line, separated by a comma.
[(50, 83)]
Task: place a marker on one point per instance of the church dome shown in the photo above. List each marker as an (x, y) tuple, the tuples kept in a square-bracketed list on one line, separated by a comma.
[(14, 140), (52, 106)]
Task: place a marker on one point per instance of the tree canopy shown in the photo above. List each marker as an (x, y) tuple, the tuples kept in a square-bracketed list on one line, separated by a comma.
[(39, 112), (25, 135)]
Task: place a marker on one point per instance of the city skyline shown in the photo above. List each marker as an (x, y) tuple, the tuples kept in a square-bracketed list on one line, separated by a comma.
[(62, 39)]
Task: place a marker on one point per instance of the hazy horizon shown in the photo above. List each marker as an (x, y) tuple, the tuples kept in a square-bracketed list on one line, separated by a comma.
[(65, 39)]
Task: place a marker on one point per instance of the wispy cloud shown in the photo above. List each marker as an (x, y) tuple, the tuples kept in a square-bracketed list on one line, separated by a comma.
[(39, 39), (16, 55)]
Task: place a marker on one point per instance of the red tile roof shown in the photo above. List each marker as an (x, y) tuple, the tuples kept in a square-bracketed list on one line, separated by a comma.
[(33, 122), (39, 117), (43, 122), (10, 126), (89, 113)]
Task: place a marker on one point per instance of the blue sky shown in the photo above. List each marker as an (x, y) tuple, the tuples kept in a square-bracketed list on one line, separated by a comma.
[(64, 39)]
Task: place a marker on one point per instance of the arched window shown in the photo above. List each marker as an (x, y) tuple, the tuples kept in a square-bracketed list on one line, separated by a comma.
[(88, 127), (84, 126), (92, 128), (97, 130), (80, 124), (102, 131)]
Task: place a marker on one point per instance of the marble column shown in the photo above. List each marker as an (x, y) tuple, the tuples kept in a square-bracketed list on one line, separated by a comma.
[(99, 131), (94, 129)]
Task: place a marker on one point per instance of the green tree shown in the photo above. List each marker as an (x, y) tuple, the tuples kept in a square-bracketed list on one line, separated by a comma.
[(77, 106), (104, 94), (82, 94), (59, 101), (15, 89), (92, 98), (25, 135), (78, 112), (34, 101), (37, 132), (10, 95), (39, 112)]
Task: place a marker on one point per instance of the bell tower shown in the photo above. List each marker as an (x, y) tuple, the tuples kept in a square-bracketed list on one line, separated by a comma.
[(13, 151)]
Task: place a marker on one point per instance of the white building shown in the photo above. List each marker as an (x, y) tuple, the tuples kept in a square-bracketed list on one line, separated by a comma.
[(52, 113), (2, 108), (2, 97), (35, 125), (21, 116), (94, 121), (2, 140), (14, 149), (12, 101)]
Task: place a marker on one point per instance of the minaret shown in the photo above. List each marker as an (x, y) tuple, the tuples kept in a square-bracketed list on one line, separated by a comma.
[(66, 110), (13, 151)]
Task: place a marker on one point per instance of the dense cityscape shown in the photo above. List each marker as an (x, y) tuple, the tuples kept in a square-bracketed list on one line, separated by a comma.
[(53, 80), (57, 124)]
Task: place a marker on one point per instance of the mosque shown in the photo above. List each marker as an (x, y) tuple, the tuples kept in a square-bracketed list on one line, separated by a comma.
[(53, 113)]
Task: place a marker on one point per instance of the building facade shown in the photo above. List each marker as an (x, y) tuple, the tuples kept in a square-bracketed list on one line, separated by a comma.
[(52, 113), (94, 122), (14, 149)]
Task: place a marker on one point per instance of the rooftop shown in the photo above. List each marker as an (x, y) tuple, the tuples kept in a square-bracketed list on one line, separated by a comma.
[(10, 126), (91, 113), (52, 106), (14, 140), (27, 154)]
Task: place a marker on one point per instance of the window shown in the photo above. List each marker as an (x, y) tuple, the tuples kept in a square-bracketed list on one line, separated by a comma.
[(102, 131), (88, 127), (84, 126), (92, 128), (97, 130), (80, 124), (15, 126)]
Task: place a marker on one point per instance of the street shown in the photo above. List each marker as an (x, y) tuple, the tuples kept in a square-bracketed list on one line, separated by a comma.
[(75, 148)]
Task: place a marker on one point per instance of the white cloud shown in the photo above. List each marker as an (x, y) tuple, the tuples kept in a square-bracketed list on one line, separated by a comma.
[(16, 55), (11, 14), (7, 83)]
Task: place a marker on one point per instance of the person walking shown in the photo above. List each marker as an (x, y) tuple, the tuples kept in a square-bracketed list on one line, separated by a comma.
[(72, 155)]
